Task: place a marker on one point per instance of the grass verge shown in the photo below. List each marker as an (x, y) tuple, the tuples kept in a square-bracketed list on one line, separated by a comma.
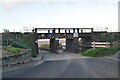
[(98, 52)]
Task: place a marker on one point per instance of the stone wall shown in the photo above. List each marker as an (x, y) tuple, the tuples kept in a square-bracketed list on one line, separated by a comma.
[(15, 59)]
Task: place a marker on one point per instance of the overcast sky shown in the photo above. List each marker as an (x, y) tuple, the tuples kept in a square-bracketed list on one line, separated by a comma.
[(77, 13)]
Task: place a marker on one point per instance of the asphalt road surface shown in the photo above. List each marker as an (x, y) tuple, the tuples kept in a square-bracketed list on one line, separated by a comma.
[(69, 65)]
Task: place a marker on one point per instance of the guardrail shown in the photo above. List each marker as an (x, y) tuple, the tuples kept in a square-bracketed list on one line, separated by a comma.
[(100, 44)]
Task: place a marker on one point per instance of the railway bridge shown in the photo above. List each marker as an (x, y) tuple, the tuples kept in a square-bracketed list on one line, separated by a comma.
[(71, 35)]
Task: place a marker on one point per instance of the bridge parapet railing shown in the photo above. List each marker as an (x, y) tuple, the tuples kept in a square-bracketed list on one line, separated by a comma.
[(50, 33), (64, 30)]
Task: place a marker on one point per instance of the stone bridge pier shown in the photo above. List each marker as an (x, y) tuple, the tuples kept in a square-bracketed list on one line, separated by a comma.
[(85, 43), (54, 44), (72, 45)]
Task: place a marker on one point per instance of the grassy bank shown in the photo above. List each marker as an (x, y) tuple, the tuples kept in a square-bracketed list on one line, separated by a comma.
[(98, 52)]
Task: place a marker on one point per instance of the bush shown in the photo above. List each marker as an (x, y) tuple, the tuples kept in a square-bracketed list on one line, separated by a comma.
[(26, 45), (18, 45), (26, 40), (97, 52)]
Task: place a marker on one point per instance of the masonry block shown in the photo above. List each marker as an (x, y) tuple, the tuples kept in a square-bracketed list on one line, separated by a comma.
[(54, 44), (85, 43), (72, 45)]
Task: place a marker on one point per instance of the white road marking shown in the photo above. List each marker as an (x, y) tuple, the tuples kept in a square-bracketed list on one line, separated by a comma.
[(39, 63), (64, 58), (113, 58)]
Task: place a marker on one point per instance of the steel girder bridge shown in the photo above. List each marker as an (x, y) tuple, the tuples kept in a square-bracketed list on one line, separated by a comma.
[(71, 35)]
